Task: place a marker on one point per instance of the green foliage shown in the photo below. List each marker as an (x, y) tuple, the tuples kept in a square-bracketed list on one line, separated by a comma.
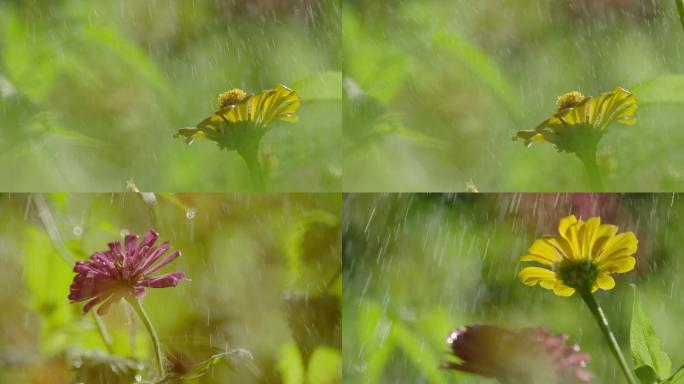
[(467, 76), (663, 89), (650, 361), (677, 378), (92, 91), (235, 251), (383, 335)]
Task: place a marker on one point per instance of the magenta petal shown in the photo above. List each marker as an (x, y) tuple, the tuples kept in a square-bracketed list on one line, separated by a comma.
[(163, 263), (150, 237), (104, 308), (163, 281), (138, 292), (97, 300), (152, 257)]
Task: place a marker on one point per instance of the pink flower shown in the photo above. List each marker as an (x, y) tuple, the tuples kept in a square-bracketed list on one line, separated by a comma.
[(122, 272), (530, 355)]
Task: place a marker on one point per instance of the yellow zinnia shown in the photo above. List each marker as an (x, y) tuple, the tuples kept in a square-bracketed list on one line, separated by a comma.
[(583, 257), (581, 121), (244, 118)]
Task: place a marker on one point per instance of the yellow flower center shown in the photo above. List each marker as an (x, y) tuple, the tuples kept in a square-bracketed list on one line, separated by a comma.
[(231, 97), (578, 274), (569, 99)]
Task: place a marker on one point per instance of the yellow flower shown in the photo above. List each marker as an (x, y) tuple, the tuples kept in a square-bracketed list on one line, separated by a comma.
[(581, 121), (243, 119), (583, 257)]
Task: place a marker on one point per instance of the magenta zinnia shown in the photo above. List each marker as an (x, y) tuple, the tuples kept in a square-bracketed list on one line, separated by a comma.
[(529, 356), (122, 271)]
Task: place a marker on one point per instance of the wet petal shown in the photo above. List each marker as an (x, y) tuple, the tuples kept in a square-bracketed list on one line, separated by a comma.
[(542, 251), (618, 265), (533, 275), (624, 244), (565, 223), (605, 281), (163, 281), (563, 290), (605, 233), (587, 235), (97, 300)]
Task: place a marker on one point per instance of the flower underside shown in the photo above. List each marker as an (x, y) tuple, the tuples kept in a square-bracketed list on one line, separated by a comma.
[(581, 121), (584, 257)]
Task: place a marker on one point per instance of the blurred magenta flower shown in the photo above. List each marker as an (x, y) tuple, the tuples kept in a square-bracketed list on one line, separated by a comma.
[(122, 272), (530, 356)]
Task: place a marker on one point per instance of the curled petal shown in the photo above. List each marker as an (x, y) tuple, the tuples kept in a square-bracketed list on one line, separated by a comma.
[(563, 290), (533, 275), (605, 281)]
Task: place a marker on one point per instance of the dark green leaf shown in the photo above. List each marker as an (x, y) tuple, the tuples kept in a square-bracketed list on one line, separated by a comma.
[(646, 346)]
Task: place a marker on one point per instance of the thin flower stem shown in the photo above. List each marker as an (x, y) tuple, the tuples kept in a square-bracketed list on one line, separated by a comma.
[(608, 333), (102, 330), (137, 306), (680, 10)]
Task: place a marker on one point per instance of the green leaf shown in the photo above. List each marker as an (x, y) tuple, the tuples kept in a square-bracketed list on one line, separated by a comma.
[(423, 358), (677, 378), (325, 366), (290, 365), (665, 89), (646, 346)]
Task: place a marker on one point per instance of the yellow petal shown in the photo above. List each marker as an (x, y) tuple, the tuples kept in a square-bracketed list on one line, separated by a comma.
[(565, 223), (533, 275), (543, 252), (605, 233), (572, 237), (624, 244), (618, 265), (563, 290), (605, 281), (587, 235)]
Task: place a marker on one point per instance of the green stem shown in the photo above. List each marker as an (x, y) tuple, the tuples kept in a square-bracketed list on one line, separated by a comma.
[(256, 176), (102, 330), (589, 160), (680, 10), (607, 333), (137, 306)]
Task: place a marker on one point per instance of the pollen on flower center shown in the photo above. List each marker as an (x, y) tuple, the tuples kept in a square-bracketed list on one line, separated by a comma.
[(231, 97), (569, 99), (578, 274)]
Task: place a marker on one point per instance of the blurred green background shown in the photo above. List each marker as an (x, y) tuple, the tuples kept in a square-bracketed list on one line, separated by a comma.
[(266, 285), (434, 90), (92, 91), (417, 266)]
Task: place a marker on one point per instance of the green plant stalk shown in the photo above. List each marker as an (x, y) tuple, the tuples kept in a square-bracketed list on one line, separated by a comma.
[(137, 306), (102, 330), (680, 10), (602, 321), (588, 158), (250, 153)]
